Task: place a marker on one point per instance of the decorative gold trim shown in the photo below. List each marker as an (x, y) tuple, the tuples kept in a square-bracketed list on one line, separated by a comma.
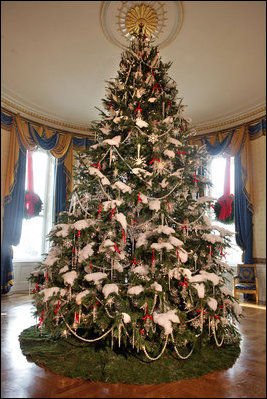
[(162, 45), (76, 134), (231, 121), (144, 14), (43, 118)]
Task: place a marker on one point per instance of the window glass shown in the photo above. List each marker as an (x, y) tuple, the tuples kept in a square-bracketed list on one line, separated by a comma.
[(33, 243), (217, 171)]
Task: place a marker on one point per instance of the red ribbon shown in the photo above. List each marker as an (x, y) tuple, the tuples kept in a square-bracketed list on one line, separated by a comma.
[(46, 277), (216, 317), (141, 331), (156, 87), (134, 262), (226, 207), (139, 199), (133, 221), (153, 256), (199, 311), (95, 304), (123, 235), (76, 317), (184, 226), (184, 283), (195, 179), (181, 152), (221, 253), (167, 203), (112, 212), (37, 288), (41, 319), (78, 235), (30, 200), (116, 248), (97, 166), (153, 160), (147, 315), (91, 266), (110, 105), (178, 254), (211, 253), (55, 311), (212, 206), (99, 210), (138, 109)]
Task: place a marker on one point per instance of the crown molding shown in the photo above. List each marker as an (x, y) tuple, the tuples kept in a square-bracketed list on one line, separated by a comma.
[(231, 121), (43, 118), (219, 125)]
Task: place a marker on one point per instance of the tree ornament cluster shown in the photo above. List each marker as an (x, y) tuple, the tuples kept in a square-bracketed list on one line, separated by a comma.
[(135, 260)]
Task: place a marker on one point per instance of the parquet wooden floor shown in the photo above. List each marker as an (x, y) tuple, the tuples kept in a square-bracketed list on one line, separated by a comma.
[(24, 379)]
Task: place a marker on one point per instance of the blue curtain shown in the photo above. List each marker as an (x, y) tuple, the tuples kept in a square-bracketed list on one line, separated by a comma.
[(243, 216), (12, 224)]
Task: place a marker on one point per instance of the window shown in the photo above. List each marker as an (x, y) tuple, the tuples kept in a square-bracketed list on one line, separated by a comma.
[(33, 242), (217, 168)]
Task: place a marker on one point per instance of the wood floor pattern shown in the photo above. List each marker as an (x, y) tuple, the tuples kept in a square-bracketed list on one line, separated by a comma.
[(24, 379)]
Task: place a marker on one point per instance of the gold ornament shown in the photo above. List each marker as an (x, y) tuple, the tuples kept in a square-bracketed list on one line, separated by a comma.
[(141, 14)]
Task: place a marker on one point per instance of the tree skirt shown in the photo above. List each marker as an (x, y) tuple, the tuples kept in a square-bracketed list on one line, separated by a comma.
[(96, 362)]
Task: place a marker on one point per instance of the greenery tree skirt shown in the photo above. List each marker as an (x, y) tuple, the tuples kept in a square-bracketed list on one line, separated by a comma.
[(97, 362)]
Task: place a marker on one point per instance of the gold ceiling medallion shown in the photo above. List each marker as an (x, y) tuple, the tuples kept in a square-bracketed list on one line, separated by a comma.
[(141, 14), (162, 21)]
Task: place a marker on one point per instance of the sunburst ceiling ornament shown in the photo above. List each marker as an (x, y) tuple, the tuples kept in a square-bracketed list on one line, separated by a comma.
[(141, 14), (162, 20)]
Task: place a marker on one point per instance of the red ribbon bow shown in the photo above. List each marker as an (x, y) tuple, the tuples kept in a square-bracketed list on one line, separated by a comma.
[(147, 315), (95, 304), (116, 248), (55, 311), (37, 288), (181, 152), (139, 199), (184, 283), (156, 87), (153, 160), (134, 262), (184, 226), (226, 206), (138, 109), (97, 166), (112, 212), (221, 253), (133, 221)]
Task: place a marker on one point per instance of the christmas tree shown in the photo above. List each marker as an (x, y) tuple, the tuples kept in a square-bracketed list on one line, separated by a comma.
[(136, 261)]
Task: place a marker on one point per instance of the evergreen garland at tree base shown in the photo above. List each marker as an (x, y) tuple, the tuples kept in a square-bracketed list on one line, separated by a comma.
[(99, 363)]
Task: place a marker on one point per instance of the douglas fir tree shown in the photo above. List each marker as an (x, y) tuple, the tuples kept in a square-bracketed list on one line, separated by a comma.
[(136, 261)]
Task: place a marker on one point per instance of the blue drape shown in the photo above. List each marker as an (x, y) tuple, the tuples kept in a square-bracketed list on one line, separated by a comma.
[(243, 216), (12, 224)]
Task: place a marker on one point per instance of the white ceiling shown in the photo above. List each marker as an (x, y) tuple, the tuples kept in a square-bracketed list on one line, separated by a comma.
[(56, 58)]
